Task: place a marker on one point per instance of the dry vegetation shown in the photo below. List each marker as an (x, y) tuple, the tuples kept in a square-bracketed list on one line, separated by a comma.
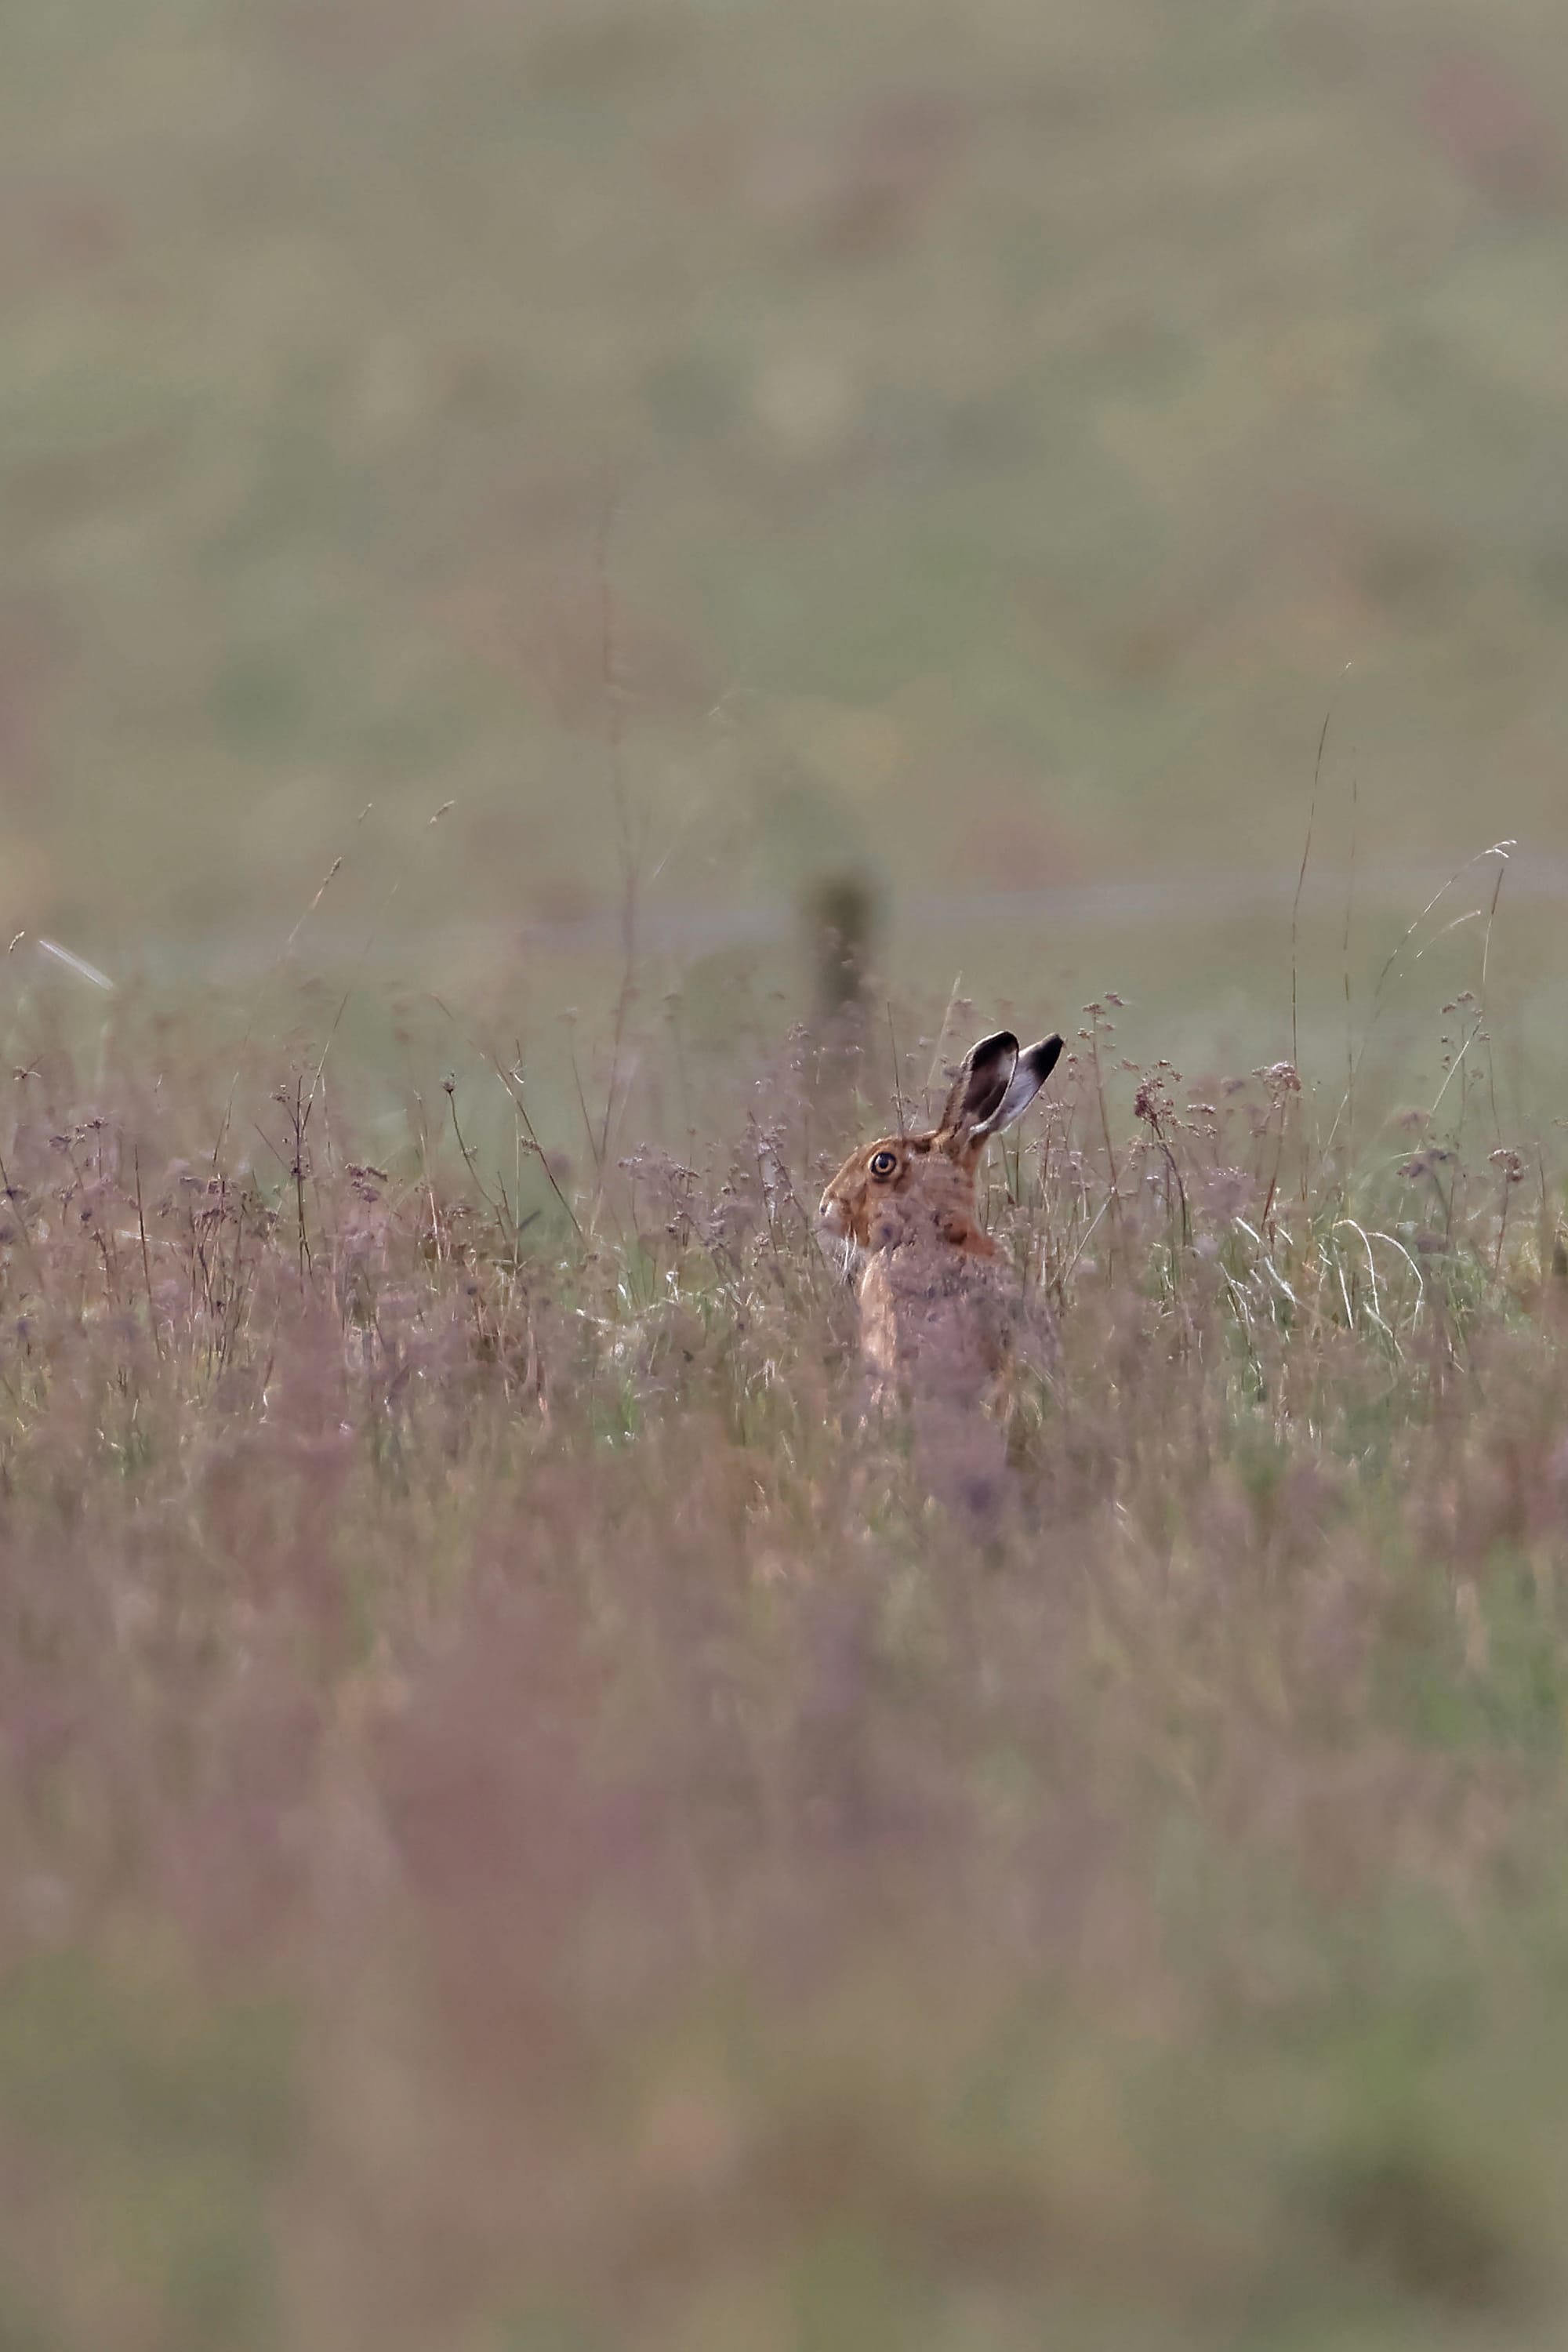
[(521, 1826)]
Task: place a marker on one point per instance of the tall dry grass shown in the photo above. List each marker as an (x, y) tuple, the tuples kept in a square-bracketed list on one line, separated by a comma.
[(523, 1825)]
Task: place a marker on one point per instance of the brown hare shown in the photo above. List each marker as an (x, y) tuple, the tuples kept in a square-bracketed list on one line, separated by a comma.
[(938, 1306)]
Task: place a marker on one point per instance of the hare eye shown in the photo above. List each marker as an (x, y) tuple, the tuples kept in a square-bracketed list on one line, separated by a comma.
[(883, 1164)]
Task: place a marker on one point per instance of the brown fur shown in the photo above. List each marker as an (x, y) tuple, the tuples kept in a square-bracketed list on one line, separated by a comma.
[(937, 1307)]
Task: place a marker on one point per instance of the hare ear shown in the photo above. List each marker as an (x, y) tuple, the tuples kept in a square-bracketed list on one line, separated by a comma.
[(981, 1086), (1034, 1066)]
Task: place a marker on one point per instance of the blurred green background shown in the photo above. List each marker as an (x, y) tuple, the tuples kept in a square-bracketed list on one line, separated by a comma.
[(964, 443)]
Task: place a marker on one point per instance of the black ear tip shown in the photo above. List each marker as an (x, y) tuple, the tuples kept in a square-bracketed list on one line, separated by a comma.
[(1001, 1042), (1045, 1057)]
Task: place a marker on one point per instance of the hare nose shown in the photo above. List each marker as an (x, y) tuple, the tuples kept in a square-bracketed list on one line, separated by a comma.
[(830, 1214)]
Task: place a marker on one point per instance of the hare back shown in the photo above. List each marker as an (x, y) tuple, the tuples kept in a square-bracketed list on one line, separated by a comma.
[(936, 1319)]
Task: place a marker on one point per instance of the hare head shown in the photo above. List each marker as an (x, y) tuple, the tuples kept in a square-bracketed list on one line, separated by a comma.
[(920, 1188)]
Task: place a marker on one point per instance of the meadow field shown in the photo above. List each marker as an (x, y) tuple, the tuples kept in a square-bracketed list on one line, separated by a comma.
[(526, 1826), (999, 425)]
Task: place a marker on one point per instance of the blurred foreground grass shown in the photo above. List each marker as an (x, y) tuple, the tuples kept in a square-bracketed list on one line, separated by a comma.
[(520, 1826)]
